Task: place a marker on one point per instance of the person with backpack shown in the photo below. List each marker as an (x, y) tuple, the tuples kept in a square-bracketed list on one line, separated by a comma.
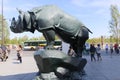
[(92, 52)]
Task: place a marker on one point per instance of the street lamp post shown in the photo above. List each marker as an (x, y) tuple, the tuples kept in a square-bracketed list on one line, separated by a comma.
[(2, 26)]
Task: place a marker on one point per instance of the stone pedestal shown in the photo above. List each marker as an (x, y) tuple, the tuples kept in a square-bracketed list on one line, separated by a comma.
[(59, 64)]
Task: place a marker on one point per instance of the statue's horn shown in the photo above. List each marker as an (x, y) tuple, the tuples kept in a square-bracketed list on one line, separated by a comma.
[(19, 10)]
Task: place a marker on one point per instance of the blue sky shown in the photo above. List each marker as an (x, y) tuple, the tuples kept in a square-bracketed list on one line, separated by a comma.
[(94, 14)]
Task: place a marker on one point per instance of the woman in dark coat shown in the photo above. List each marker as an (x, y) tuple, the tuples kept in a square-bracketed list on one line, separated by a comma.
[(92, 52)]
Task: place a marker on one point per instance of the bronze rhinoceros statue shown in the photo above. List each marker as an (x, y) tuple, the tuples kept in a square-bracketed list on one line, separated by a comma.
[(51, 20)]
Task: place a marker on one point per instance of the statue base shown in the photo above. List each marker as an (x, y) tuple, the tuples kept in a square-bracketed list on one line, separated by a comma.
[(56, 65)]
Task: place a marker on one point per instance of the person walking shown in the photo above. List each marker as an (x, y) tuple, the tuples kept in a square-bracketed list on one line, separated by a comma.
[(19, 53), (4, 52), (106, 48), (98, 52), (8, 49), (71, 52), (116, 48), (111, 50), (1, 54), (92, 52)]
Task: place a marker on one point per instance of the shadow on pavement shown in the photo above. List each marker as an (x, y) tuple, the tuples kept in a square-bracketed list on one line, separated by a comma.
[(24, 76)]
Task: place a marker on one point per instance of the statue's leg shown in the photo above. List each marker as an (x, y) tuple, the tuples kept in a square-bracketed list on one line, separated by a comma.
[(50, 38), (81, 39), (78, 46), (79, 51)]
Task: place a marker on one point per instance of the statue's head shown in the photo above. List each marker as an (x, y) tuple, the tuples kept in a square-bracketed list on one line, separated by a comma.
[(18, 26)]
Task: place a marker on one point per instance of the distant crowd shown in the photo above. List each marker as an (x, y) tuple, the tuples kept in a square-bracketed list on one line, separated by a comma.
[(93, 49), (96, 50), (112, 49)]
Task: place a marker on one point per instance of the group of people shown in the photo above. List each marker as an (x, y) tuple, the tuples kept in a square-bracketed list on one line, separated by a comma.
[(112, 48), (5, 51), (95, 50)]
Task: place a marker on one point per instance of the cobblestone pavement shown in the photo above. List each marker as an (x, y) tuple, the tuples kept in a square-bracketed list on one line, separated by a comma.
[(107, 69)]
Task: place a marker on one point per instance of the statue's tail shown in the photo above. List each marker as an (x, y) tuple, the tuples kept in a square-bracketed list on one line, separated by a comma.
[(89, 30)]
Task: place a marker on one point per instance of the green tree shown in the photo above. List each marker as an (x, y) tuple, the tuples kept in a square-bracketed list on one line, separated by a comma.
[(24, 38), (114, 23), (14, 40), (5, 30)]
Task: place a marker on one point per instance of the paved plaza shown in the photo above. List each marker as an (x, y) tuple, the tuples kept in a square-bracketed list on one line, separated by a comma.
[(107, 69), (13, 70)]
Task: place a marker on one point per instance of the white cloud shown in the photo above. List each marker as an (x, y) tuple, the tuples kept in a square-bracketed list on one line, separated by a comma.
[(103, 12), (104, 3), (97, 7), (95, 3), (80, 3), (10, 5), (27, 6)]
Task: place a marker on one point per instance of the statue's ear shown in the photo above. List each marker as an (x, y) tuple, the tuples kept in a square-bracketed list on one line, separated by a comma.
[(32, 13), (19, 10)]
